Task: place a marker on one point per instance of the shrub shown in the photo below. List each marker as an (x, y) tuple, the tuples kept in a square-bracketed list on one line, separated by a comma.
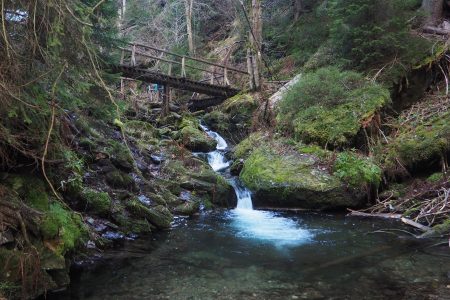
[(357, 170), (328, 106)]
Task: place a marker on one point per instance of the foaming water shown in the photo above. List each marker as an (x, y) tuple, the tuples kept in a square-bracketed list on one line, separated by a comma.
[(217, 161), (266, 226)]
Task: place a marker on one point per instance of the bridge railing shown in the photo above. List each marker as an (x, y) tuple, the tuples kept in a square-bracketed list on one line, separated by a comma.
[(177, 65)]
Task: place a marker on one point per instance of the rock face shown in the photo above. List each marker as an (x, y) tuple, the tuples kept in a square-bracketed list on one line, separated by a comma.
[(233, 118), (296, 180)]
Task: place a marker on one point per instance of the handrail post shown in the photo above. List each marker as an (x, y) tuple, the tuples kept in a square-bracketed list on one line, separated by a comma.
[(183, 66), (133, 56), (170, 70), (225, 77), (122, 57)]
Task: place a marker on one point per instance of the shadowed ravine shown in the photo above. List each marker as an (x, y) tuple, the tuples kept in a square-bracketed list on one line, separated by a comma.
[(250, 254)]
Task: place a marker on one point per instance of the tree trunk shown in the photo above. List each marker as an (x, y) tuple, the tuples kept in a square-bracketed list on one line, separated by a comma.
[(256, 39), (434, 9), (298, 9), (189, 5)]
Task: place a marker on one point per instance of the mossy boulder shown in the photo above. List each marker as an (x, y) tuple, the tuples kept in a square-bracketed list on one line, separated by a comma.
[(292, 179), (240, 106), (31, 189), (96, 202), (119, 179), (196, 140), (62, 228), (233, 118), (188, 208), (120, 156), (331, 106), (416, 143), (159, 215), (140, 130)]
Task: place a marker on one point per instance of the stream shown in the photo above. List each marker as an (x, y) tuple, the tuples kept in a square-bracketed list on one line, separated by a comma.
[(252, 254)]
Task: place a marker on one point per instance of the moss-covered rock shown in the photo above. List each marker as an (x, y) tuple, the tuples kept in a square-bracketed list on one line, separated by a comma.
[(233, 118), (159, 216), (292, 179), (119, 179), (416, 142), (245, 147), (120, 156), (241, 105), (196, 140), (63, 228), (188, 208), (330, 106), (140, 130), (96, 202)]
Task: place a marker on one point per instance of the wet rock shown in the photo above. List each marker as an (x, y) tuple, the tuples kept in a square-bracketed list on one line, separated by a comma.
[(118, 179), (237, 167), (157, 159), (96, 202), (196, 140), (188, 208), (158, 216)]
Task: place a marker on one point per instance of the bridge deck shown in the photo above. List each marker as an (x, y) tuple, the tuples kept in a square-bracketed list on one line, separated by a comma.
[(180, 83)]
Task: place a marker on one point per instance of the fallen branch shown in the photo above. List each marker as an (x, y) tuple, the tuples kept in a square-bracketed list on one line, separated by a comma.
[(435, 30), (355, 213)]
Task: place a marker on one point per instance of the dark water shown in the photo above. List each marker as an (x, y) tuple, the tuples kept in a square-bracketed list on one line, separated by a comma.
[(265, 255)]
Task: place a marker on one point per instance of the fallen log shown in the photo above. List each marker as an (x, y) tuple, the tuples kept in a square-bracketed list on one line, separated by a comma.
[(355, 213), (404, 220), (435, 30)]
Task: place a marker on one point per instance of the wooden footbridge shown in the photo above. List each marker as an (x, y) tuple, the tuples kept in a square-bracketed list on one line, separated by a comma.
[(173, 71)]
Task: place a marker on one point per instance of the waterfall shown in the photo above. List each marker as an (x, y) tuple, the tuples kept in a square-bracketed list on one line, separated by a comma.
[(254, 224), (218, 162)]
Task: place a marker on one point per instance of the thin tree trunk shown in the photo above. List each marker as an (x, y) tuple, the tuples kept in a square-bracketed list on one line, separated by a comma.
[(434, 9), (256, 39), (189, 5), (298, 9)]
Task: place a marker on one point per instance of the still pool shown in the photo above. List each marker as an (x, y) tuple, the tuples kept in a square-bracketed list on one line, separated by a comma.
[(247, 254)]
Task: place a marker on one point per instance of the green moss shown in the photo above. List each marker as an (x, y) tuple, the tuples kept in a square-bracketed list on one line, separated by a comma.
[(315, 150), (417, 142), (241, 104), (158, 216), (64, 226), (196, 140), (357, 170), (442, 228), (97, 202), (120, 155), (244, 148), (436, 177), (217, 120), (328, 106), (265, 168), (31, 189), (119, 179), (139, 130), (280, 176)]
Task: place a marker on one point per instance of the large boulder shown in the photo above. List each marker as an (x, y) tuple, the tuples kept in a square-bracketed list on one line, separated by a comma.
[(193, 138), (287, 178)]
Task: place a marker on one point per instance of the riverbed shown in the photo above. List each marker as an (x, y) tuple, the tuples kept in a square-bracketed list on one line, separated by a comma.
[(224, 255)]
